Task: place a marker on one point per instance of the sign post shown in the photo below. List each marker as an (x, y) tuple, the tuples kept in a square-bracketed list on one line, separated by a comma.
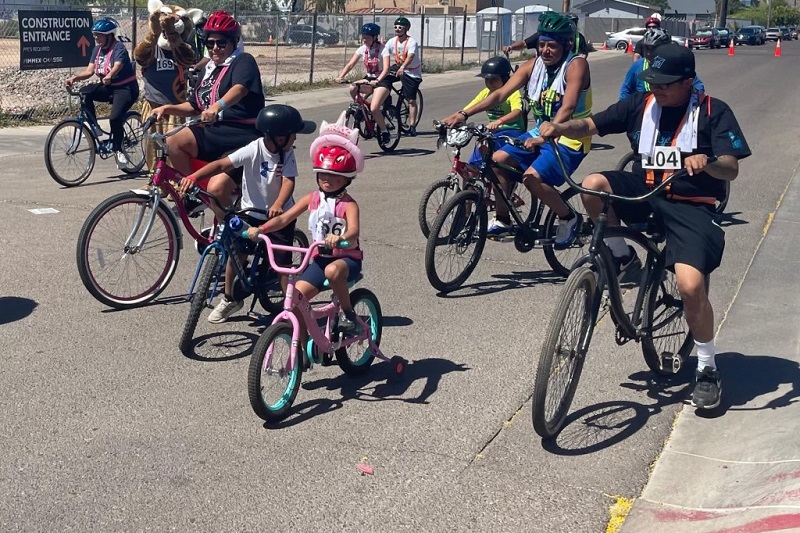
[(54, 39)]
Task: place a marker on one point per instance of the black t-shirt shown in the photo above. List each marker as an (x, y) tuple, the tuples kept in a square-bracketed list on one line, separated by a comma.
[(532, 42), (243, 70), (638, 48), (718, 133)]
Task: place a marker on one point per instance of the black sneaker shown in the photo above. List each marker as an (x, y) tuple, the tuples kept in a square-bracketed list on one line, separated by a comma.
[(412, 131), (707, 389), (348, 325), (385, 137), (627, 263)]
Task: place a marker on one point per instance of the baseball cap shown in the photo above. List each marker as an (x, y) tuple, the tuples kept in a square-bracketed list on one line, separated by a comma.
[(671, 62)]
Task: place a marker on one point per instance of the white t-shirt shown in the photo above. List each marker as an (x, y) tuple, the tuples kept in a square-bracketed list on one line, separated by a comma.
[(399, 51), (262, 175)]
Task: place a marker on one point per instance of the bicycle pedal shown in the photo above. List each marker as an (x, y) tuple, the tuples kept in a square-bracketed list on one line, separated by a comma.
[(545, 242), (669, 363)]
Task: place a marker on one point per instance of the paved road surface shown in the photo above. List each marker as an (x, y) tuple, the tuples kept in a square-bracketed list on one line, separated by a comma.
[(107, 427)]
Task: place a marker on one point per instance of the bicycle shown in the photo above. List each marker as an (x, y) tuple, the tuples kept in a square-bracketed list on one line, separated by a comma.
[(626, 164), (79, 137), (358, 111), (257, 279), (462, 221), (656, 321), (276, 355), (129, 246)]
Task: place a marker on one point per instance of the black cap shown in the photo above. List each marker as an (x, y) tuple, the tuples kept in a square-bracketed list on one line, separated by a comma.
[(671, 62)]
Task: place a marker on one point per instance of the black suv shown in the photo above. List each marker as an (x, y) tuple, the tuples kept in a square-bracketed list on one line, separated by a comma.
[(301, 33)]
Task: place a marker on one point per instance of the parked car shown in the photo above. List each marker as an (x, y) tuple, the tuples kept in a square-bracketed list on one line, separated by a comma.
[(620, 39), (706, 37), (301, 34), (751, 35), (786, 34), (793, 32), (679, 39), (725, 36), (773, 34)]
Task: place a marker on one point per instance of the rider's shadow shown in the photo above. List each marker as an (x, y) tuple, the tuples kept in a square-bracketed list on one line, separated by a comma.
[(729, 219), (505, 282), (407, 152), (13, 308)]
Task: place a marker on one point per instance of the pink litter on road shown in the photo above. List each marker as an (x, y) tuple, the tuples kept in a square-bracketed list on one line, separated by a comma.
[(365, 470)]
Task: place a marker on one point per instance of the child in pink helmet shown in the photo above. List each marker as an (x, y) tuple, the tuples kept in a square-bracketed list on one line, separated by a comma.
[(333, 217)]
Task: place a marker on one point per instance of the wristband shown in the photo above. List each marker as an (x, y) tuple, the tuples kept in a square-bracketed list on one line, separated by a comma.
[(192, 178), (222, 103), (464, 113)]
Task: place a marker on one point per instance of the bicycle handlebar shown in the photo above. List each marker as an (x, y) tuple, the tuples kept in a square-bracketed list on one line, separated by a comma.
[(156, 135), (306, 251), (73, 92)]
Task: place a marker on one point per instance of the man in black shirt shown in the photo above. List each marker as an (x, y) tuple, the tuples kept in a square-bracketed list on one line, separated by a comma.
[(687, 127), (651, 23)]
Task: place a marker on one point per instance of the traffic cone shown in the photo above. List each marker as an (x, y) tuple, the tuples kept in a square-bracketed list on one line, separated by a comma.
[(686, 42), (731, 49), (778, 48), (605, 46), (269, 43), (629, 50)]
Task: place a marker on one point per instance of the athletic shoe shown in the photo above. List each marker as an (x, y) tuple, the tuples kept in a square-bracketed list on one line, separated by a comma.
[(412, 131), (224, 309), (565, 234), (707, 389), (122, 160), (499, 229), (627, 263), (348, 325), (385, 137)]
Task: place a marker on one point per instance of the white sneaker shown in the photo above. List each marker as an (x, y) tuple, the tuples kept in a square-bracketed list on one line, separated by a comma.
[(224, 309), (499, 230), (122, 160)]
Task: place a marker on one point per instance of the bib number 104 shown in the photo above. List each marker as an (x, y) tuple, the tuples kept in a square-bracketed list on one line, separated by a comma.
[(664, 158)]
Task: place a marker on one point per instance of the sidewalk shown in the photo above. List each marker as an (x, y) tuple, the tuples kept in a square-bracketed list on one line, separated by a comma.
[(738, 470)]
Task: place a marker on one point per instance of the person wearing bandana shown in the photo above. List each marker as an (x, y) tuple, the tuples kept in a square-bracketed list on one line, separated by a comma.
[(558, 89), (229, 98), (685, 127)]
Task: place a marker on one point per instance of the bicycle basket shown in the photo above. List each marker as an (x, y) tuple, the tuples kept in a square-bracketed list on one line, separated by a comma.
[(458, 137)]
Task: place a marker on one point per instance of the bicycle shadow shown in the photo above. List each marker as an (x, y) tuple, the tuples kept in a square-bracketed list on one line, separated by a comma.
[(178, 299), (13, 308), (602, 425), (114, 179), (504, 282), (220, 346), (373, 387), (729, 219), (408, 152), (602, 147)]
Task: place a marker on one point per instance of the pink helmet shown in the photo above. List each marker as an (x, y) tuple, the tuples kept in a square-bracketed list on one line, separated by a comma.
[(336, 150)]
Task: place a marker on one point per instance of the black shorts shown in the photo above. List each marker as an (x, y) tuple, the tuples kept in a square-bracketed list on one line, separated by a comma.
[(215, 141), (410, 85), (693, 236)]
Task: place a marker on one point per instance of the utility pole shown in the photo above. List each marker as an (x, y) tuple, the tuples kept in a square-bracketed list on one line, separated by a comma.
[(565, 6), (723, 15)]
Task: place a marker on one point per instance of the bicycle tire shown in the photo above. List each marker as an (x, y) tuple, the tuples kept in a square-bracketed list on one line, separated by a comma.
[(391, 117), (83, 133), (548, 426), (662, 314), (272, 301), (351, 122), (466, 226), (374, 321), (264, 409), (627, 159), (561, 261), (438, 191), (132, 144), (199, 300), (94, 279)]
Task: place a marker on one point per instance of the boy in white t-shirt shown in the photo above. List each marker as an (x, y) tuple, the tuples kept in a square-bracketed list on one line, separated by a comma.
[(269, 169)]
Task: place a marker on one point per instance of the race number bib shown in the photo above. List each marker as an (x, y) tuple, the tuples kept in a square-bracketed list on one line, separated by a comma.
[(664, 158), (329, 226)]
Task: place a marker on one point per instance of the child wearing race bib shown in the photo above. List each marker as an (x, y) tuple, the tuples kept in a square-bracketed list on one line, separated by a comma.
[(333, 218)]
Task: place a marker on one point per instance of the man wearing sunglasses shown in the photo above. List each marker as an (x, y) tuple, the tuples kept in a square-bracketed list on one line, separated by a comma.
[(401, 62), (672, 127), (651, 23)]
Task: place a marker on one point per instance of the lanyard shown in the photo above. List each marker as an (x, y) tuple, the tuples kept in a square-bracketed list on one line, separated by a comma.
[(214, 94), (399, 57)]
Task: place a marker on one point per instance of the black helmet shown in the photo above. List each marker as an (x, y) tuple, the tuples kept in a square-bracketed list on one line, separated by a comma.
[(496, 67), (370, 28), (402, 21), (280, 120)]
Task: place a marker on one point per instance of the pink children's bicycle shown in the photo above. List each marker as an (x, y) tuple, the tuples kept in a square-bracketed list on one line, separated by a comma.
[(277, 363)]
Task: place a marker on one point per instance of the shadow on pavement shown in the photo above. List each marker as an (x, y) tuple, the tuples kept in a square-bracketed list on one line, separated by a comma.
[(408, 152), (168, 300), (112, 179), (602, 147), (13, 308), (729, 219), (396, 321), (371, 387), (227, 345), (599, 426), (505, 282)]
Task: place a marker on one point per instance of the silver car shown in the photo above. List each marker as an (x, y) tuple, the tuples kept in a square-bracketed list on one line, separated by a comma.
[(773, 34)]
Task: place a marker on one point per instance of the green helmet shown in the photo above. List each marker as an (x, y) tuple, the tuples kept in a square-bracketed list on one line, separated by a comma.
[(556, 24), (402, 21)]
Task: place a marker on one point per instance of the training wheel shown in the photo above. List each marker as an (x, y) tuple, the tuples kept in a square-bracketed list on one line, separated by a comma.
[(398, 366)]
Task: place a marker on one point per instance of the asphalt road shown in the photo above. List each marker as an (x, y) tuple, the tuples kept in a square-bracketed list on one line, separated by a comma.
[(106, 426)]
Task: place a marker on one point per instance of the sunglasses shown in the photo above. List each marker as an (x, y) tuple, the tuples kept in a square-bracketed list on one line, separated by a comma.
[(218, 43), (399, 27), (651, 27), (664, 86)]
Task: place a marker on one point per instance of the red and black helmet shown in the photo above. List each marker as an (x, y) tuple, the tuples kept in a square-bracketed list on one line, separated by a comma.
[(335, 159), (222, 22)]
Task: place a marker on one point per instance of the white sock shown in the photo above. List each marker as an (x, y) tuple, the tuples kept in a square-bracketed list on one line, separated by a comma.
[(705, 355), (617, 246)]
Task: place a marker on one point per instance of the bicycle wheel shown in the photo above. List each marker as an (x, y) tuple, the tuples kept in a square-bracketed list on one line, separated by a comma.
[(666, 333), (561, 360), (271, 384), (626, 163), (272, 300), (199, 300), (132, 144), (524, 202), (461, 224), (722, 204), (351, 119), (356, 358), (69, 152), (434, 197), (124, 275), (405, 112), (391, 115), (561, 261)]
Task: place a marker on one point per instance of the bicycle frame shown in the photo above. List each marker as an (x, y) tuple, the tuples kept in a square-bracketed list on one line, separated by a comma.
[(364, 106), (295, 301)]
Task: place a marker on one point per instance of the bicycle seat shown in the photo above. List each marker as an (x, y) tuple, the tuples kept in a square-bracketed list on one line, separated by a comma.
[(327, 286)]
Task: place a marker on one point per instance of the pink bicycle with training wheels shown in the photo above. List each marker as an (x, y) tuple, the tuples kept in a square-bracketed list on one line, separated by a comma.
[(277, 364)]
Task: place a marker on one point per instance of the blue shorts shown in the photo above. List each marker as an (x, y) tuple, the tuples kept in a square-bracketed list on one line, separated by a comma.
[(476, 157), (315, 272), (544, 161)]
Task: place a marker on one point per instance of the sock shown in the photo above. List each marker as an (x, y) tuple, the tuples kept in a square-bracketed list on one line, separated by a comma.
[(705, 355), (617, 246), (570, 216)]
